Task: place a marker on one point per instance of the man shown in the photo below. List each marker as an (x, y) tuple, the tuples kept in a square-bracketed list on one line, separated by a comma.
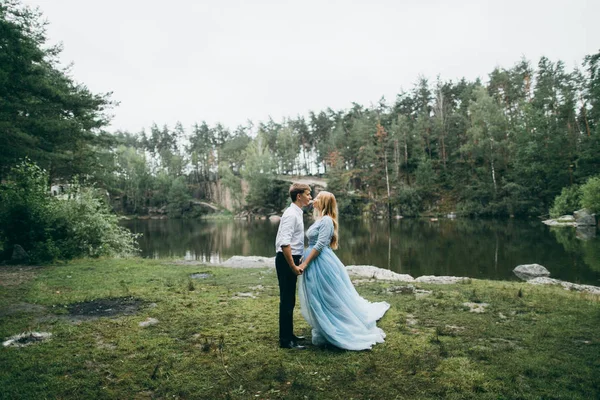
[(289, 246)]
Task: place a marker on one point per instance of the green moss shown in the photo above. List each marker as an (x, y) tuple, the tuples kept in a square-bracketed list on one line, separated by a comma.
[(207, 344)]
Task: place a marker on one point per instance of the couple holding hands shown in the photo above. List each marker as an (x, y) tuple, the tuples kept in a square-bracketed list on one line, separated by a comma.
[(330, 304)]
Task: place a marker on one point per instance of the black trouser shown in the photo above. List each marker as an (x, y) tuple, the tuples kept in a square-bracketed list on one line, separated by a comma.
[(287, 296)]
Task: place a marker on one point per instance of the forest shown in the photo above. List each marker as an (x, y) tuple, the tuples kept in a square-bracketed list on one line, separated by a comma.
[(506, 145)]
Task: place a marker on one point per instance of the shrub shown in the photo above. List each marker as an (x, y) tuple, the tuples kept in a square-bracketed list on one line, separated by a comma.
[(590, 195), (566, 202), (49, 228), (25, 217), (408, 201), (85, 227)]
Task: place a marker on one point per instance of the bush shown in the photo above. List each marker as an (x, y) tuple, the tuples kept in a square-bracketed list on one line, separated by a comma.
[(566, 202), (590, 195), (49, 228), (408, 201), (85, 227), (25, 217)]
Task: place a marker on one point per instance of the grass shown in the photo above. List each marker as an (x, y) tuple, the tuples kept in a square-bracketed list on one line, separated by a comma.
[(530, 343)]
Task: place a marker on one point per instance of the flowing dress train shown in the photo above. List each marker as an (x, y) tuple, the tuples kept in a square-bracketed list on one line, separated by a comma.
[(329, 302)]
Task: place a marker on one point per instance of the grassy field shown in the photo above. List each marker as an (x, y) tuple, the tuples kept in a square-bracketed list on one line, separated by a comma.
[(216, 338)]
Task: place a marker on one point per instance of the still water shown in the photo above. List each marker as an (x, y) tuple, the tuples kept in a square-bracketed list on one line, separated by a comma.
[(485, 249)]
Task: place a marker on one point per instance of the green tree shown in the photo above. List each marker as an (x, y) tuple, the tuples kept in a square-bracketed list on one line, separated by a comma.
[(44, 113)]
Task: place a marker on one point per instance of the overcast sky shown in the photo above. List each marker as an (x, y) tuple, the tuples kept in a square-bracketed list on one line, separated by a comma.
[(231, 61)]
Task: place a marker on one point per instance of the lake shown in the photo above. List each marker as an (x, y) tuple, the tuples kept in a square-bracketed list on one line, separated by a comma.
[(485, 249)]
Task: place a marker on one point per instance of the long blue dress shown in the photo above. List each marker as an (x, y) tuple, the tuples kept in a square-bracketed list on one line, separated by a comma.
[(329, 302)]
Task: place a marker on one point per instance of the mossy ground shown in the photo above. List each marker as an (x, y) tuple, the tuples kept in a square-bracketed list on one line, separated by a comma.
[(530, 343)]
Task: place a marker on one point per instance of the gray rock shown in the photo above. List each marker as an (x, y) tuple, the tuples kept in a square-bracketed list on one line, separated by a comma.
[(583, 217), (530, 271), (554, 222), (201, 275), (566, 285), (476, 307), (566, 218), (406, 289), (369, 271), (19, 255), (249, 262), (148, 322), (27, 338), (440, 280)]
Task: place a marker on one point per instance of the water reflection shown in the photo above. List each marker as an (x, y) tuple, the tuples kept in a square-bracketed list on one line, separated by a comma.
[(476, 248)]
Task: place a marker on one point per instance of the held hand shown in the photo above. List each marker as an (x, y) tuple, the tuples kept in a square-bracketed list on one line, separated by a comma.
[(297, 270)]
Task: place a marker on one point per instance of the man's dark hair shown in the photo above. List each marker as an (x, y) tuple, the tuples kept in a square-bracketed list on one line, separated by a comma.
[(296, 189)]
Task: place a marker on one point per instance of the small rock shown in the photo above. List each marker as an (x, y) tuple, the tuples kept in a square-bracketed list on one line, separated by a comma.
[(244, 296), (200, 275), (410, 320), (440, 280), (454, 328), (249, 262), (148, 322), (476, 307), (530, 271), (27, 338), (408, 289), (420, 293), (274, 218)]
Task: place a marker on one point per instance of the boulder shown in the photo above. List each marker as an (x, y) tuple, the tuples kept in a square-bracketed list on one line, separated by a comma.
[(566, 218), (559, 222), (441, 280), (19, 255), (369, 271), (583, 217), (566, 285), (249, 262), (530, 271)]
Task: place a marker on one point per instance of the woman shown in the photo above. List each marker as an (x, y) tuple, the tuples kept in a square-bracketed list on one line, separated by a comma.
[(328, 300)]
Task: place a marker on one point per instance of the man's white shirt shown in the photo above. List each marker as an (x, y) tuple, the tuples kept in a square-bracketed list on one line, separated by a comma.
[(291, 230)]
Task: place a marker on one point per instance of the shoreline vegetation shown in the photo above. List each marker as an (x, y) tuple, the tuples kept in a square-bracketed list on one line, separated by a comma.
[(138, 328)]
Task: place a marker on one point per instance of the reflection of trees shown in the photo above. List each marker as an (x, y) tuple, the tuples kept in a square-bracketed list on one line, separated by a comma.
[(204, 240), (591, 254), (475, 248), (589, 249)]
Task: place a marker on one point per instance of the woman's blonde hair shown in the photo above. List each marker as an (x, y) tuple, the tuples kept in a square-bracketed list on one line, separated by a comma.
[(327, 205)]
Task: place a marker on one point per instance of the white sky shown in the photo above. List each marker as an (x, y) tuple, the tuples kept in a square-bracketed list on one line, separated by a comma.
[(231, 61)]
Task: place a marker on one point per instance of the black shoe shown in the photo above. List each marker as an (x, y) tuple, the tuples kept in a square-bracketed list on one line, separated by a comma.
[(291, 344), (298, 338)]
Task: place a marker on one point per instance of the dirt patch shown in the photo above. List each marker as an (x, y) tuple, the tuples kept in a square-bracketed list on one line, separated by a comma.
[(105, 307), (16, 275)]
